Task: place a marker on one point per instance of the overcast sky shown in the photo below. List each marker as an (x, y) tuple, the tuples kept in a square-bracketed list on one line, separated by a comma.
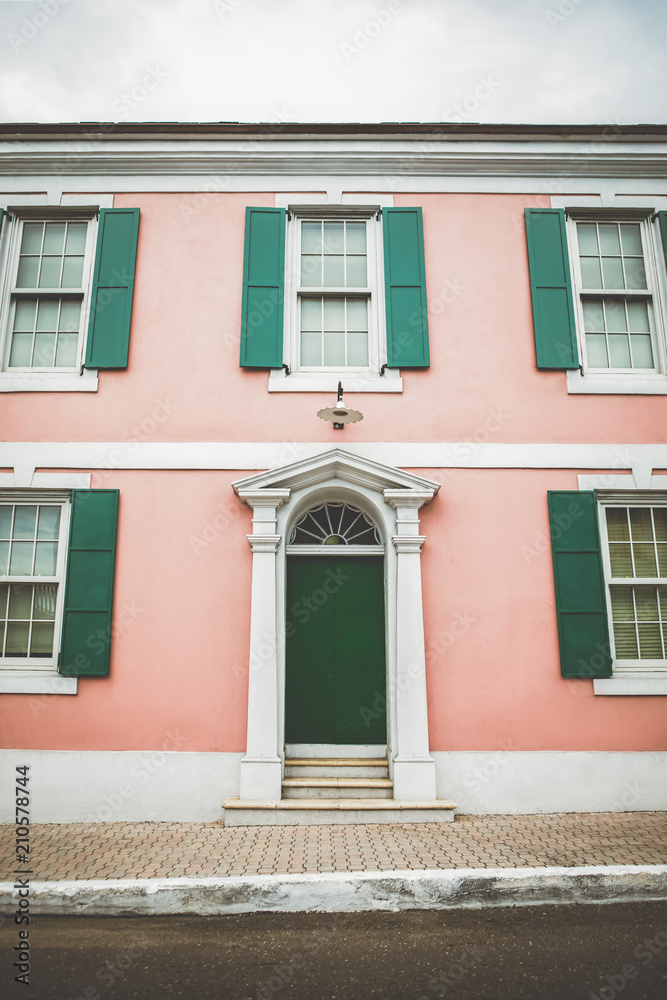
[(528, 61)]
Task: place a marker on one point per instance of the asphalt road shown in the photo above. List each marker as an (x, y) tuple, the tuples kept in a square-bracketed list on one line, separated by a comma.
[(536, 953)]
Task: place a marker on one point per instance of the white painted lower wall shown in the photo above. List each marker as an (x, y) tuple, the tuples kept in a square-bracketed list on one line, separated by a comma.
[(114, 786), (546, 781), (95, 786)]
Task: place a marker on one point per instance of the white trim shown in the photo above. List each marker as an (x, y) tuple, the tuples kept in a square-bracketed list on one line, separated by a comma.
[(55, 198), (32, 681), (391, 381), (329, 750), (87, 381), (251, 455), (629, 683), (579, 162), (650, 202), (622, 385)]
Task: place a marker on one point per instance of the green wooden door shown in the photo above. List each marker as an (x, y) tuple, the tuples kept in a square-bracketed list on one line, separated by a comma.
[(335, 676)]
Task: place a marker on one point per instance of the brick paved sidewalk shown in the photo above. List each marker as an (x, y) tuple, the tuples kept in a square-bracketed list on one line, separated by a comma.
[(159, 850)]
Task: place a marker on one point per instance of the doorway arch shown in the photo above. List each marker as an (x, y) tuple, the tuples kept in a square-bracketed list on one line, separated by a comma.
[(392, 499)]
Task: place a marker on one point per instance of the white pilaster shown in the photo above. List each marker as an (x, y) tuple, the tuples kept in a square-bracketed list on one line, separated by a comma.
[(261, 767), (413, 766)]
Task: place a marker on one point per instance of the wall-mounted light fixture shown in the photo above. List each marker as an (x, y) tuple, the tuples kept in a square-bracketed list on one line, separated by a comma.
[(340, 414)]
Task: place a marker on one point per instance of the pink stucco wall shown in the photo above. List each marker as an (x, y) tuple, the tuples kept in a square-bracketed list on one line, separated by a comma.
[(184, 345), (183, 576), (180, 646)]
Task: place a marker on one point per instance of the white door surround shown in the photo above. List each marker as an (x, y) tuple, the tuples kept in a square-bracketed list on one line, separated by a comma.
[(392, 498)]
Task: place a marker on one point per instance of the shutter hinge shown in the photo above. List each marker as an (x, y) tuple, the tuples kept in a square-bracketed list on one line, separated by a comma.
[(581, 370), (287, 369), (383, 368)]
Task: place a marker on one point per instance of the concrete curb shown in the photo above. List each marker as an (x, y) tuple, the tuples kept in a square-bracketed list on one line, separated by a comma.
[(343, 891)]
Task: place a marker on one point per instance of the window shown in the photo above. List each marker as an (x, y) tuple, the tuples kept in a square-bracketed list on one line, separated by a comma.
[(635, 561), (67, 301), (614, 276), (335, 293), (32, 563), (333, 298), (49, 268), (57, 562), (598, 294)]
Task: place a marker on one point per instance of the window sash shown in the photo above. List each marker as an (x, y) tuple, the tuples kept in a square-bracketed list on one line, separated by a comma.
[(13, 294), (296, 293), (632, 582), (649, 295), (58, 580)]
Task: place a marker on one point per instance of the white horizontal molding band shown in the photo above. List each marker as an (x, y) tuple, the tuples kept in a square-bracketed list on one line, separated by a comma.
[(243, 455), (205, 184), (345, 155)]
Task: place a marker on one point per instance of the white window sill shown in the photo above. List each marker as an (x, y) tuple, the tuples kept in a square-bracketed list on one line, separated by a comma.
[(38, 681), (626, 385), (628, 682), (49, 382), (391, 381)]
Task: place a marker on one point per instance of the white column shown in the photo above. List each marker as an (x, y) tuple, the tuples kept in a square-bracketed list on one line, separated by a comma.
[(261, 768), (414, 768)]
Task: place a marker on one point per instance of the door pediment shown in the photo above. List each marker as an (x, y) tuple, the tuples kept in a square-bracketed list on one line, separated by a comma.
[(335, 463)]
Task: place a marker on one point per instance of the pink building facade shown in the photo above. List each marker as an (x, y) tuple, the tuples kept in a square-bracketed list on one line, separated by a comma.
[(204, 580)]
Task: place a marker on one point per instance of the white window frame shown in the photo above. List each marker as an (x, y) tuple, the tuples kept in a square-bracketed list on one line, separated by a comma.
[(325, 379), (639, 381), (71, 379), (629, 677), (22, 675)]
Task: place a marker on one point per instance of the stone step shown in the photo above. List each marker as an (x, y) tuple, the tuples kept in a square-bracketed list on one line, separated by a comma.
[(316, 812), (336, 767), (338, 787)]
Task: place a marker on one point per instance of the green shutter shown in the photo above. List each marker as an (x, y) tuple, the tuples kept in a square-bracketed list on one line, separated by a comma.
[(86, 638), (662, 222), (263, 288), (581, 608), (405, 288), (113, 284), (551, 289)]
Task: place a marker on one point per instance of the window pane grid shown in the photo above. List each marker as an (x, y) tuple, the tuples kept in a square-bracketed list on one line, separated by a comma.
[(45, 333), (617, 330), (333, 254), (27, 620), (334, 332), (29, 539), (637, 542), (51, 255)]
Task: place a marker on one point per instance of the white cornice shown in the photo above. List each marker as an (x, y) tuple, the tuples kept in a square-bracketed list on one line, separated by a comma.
[(421, 156)]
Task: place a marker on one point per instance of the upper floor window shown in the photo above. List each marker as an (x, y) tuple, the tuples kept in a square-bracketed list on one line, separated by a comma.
[(334, 293), (66, 303), (615, 281), (50, 269), (333, 297)]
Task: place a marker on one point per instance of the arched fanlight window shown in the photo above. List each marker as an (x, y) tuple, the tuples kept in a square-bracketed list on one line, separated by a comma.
[(334, 523)]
